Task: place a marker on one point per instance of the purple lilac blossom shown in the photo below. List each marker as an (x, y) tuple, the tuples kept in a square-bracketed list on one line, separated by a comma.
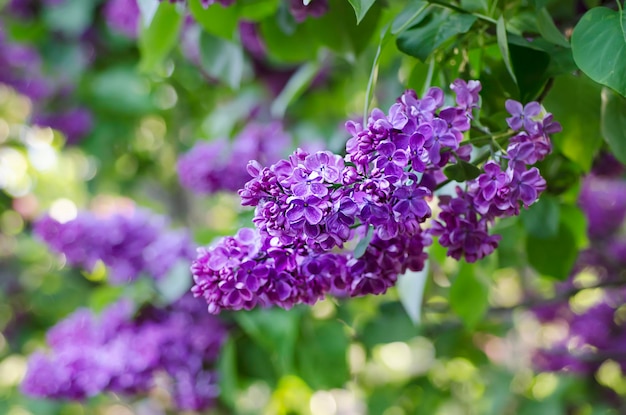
[(74, 123), (123, 16), (502, 189), (116, 352), (21, 69), (128, 244), (598, 333), (310, 206), (300, 11), (218, 165)]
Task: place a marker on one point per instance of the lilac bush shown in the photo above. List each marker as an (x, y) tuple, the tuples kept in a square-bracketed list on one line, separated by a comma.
[(220, 165), (128, 244), (599, 332), (124, 353), (310, 206)]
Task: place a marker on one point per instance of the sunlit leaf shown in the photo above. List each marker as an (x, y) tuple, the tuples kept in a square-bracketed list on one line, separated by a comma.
[(222, 59), (297, 84), (176, 282), (361, 247), (157, 40), (411, 286)]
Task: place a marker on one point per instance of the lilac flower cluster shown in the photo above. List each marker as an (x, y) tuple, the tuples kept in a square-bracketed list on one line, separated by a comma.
[(499, 191), (219, 165), (310, 206), (598, 333), (22, 69), (127, 244), (119, 353)]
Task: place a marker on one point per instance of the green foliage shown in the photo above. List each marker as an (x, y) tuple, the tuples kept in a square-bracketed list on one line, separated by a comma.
[(469, 295), (150, 103), (541, 220), (599, 46), (433, 31), (570, 98), (553, 256), (462, 171), (222, 59), (159, 37), (614, 123), (360, 8)]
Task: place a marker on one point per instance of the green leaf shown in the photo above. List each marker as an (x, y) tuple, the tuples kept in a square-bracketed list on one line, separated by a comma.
[(71, 17), (175, 283), (297, 84), (530, 67), (424, 38), (227, 366), (411, 286), (548, 29), (576, 221), (575, 103), (553, 256), (614, 123), (469, 297), (222, 59), (157, 40), (147, 9), (391, 324), (461, 171), (360, 8), (361, 247), (256, 10), (412, 14), (120, 90), (542, 219), (599, 47), (503, 44), (321, 354), (215, 19), (275, 330)]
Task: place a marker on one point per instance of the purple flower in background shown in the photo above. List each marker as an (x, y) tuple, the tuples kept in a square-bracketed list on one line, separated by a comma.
[(75, 123), (219, 166), (127, 244), (604, 202), (119, 353), (300, 11), (123, 16)]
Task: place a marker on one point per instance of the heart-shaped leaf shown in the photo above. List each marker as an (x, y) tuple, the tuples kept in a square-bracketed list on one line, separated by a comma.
[(599, 47)]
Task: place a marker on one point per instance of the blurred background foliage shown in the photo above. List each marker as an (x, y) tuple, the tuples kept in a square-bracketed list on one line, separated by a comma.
[(455, 339)]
